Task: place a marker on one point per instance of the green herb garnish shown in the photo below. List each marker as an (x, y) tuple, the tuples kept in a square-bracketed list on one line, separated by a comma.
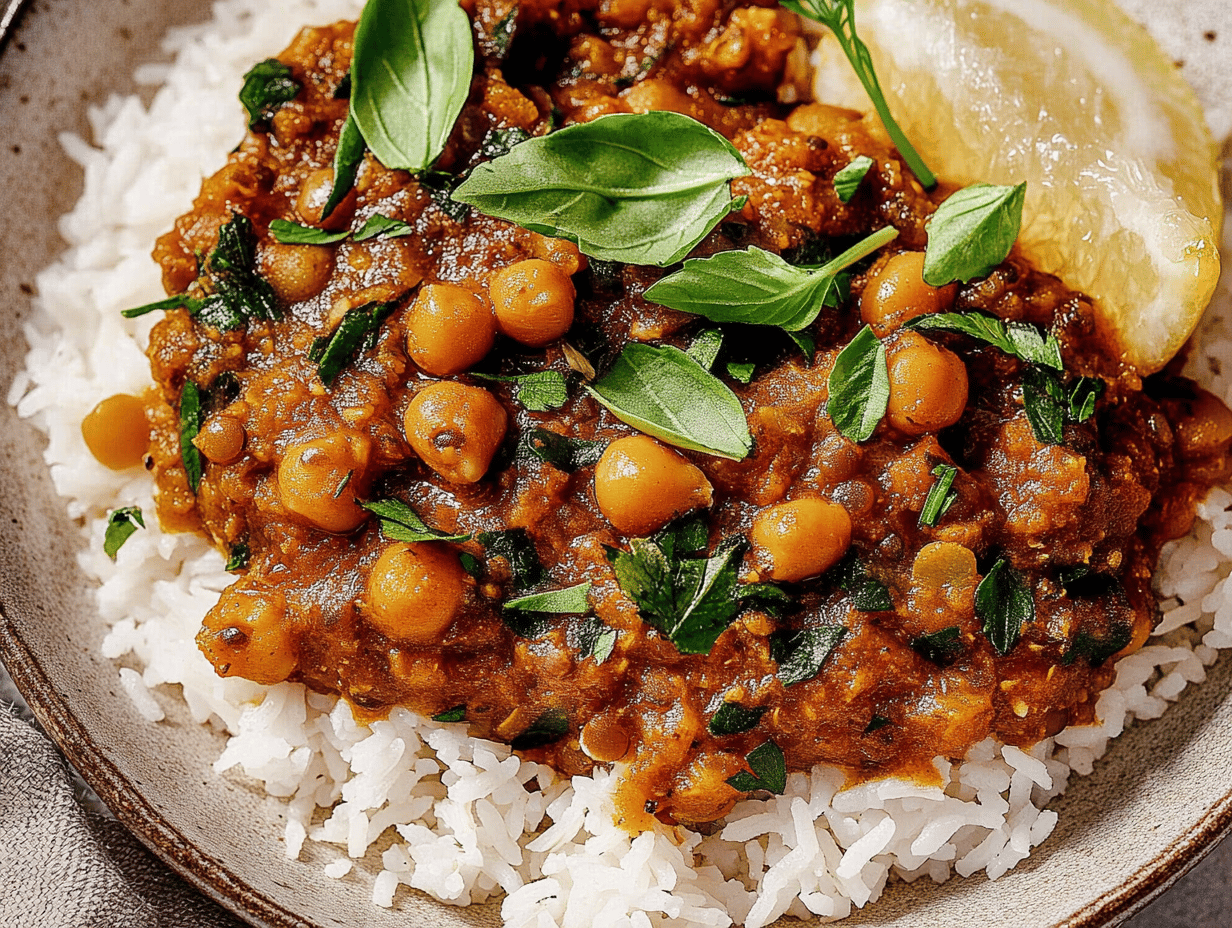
[(940, 497), (387, 226), (238, 557), (1005, 604), (665, 393), (769, 770), (1098, 650), (267, 86), (347, 158), (732, 719), (456, 714), (569, 601), (562, 452), (191, 419), (499, 141), (940, 647), (876, 723), (800, 654), (514, 545), (741, 371), (233, 269), (293, 233), (121, 524), (768, 597), (410, 76), (1019, 339), (636, 188), (759, 287), (180, 301), (538, 392), (399, 522), (595, 640), (847, 180), (355, 333), (972, 232), (839, 17), (859, 386), (551, 726), (705, 347), (868, 594)]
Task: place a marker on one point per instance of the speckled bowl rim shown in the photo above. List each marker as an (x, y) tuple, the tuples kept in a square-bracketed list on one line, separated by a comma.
[(124, 798)]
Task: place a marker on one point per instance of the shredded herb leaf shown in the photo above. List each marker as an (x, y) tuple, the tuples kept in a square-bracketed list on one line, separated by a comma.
[(1019, 339), (515, 546), (538, 392), (859, 386), (456, 714), (801, 654), (595, 639), (740, 371), (1098, 650), (732, 719), (499, 141), (355, 333), (868, 594), (768, 597), (847, 180), (180, 301), (571, 600), (551, 726), (267, 86), (769, 770), (1005, 604), (940, 647), (238, 557), (399, 522), (876, 723), (972, 232), (562, 452), (387, 226), (191, 419), (233, 269), (347, 159), (1043, 398), (705, 347), (293, 233), (121, 524), (1083, 394), (940, 497)]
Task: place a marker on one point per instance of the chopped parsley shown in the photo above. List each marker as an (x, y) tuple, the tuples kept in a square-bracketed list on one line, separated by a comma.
[(192, 416), (562, 452), (538, 392), (1005, 604), (801, 654)]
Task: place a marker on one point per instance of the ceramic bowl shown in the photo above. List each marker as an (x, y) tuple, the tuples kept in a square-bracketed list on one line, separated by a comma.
[(1159, 799)]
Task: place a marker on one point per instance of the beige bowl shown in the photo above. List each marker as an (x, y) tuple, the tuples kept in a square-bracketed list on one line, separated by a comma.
[(1160, 798)]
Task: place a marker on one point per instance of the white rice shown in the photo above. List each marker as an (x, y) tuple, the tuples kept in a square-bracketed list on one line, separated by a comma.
[(454, 814)]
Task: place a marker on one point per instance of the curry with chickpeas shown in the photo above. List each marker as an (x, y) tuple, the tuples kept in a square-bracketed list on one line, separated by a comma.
[(463, 465)]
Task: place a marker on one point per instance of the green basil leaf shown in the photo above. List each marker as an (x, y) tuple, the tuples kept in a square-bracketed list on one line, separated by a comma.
[(238, 557), (705, 348), (859, 386), (637, 188), (769, 770), (847, 180), (551, 726), (689, 534), (768, 597), (121, 524), (800, 654), (595, 640), (562, 452), (471, 564), (347, 159), (807, 345), (292, 233), (940, 495), (1033, 346), (972, 232), (940, 647), (732, 719), (191, 419), (571, 600), (876, 723), (1043, 398), (399, 522), (180, 301), (440, 187), (1082, 396), (1005, 604), (1019, 339), (503, 32), (1098, 650), (538, 392), (665, 393), (216, 312), (740, 371), (410, 76), (267, 86), (456, 714), (383, 225), (868, 594), (353, 333), (514, 545)]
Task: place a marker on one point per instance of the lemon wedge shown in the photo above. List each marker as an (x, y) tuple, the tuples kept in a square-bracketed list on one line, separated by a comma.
[(1076, 99)]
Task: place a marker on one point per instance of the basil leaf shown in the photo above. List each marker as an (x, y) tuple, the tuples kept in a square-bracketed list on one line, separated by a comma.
[(347, 159), (354, 332), (233, 266), (596, 640), (180, 301), (769, 770), (768, 597), (383, 225), (940, 495), (801, 654), (635, 188), (1098, 650), (759, 287), (847, 180), (551, 726), (215, 311), (292, 233), (538, 392), (562, 452), (471, 564), (939, 647), (515, 546), (868, 594), (191, 419), (1032, 346), (972, 232), (410, 76), (741, 372), (705, 348), (238, 557), (876, 723), (690, 534), (1082, 396), (267, 86), (121, 524), (1019, 339), (732, 719), (399, 522), (1043, 398), (456, 714), (806, 344), (569, 601), (665, 393), (1005, 604), (859, 386)]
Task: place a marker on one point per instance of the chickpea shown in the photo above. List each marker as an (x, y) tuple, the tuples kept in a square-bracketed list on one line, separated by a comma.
[(296, 272), (314, 194), (415, 591), (928, 385), (896, 293), (117, 432), (533, 300), (319, 480), (604, 738), (246, 635), (221, 439), (801, 539), (456, 429), (1206, 428), (448, 329), (641, 485)]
